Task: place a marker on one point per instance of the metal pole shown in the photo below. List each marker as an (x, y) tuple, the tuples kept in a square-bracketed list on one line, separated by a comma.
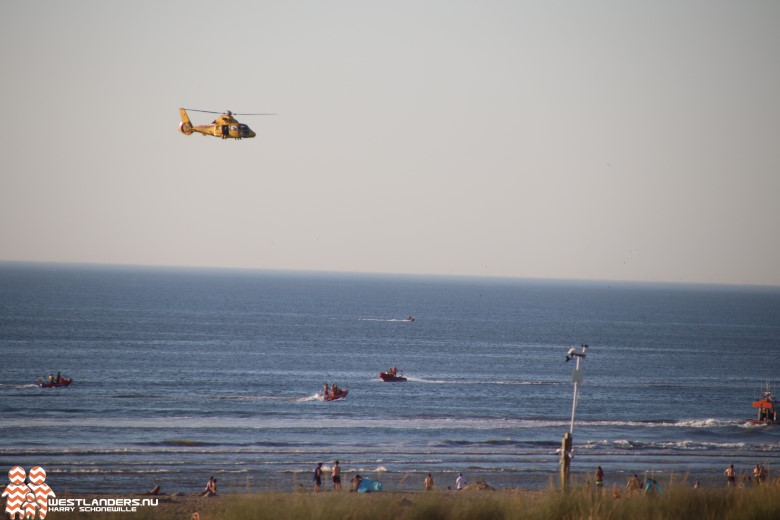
[(568, 437), (576, 378), (574, 399)]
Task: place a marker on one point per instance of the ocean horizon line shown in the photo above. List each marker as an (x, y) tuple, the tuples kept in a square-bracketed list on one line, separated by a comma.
[(367, 275)]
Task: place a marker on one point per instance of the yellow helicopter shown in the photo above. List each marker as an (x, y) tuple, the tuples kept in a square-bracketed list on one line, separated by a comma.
[(225, 126)]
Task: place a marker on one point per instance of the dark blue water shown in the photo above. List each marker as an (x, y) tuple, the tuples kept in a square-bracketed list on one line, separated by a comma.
[(182, 374)]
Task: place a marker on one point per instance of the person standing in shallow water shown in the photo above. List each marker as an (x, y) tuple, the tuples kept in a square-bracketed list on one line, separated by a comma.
[(731, 476), (336, 476), (428, 483), (317, 477), (599, 477)]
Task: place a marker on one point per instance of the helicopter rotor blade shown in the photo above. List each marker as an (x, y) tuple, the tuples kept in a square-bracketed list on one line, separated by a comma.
[(204, 111), (246, 114), (228, 111)]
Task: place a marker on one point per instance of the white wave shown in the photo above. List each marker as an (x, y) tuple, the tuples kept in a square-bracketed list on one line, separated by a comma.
[(682, 445), (684, 423), (394, 423), (748, 424), (378, 469), (623, 443)]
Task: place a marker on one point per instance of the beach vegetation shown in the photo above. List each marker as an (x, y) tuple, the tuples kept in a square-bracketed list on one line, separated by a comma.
[(583, 503)]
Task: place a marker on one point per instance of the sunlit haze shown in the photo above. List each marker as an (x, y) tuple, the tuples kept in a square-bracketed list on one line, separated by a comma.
[(603, 140)]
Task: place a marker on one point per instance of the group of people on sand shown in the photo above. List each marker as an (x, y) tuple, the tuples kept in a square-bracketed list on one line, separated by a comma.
[(335, 477), (760, 475), (633, 487), (649, 485), (460, 482)]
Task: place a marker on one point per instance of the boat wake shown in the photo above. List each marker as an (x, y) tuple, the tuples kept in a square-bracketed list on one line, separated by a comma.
[(477, 382), (315, 397), (387, 320), (412, 378), (253, 398), (431, 381)]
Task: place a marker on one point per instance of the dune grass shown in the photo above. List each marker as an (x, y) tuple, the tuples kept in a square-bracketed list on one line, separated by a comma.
[(677, 502)]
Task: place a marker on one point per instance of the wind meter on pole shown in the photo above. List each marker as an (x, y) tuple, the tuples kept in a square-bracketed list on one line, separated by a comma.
[(566, 446)]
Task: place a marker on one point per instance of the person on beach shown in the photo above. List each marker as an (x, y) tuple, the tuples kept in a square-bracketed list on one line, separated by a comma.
[(731, 476), (356, 480), (207, 488), (211, 488), (336, 476), (428, 483), (599, 477), (155, 491), (317, 477), (759, 474), (633, 485), (460, 482)]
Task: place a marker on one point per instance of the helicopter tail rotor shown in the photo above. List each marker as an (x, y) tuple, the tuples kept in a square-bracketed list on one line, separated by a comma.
[(185, 126)]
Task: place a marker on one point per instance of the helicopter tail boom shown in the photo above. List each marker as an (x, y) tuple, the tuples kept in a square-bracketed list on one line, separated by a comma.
[(185, 126)]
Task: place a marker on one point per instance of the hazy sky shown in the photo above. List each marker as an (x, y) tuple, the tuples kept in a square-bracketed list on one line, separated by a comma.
[(621, 140)]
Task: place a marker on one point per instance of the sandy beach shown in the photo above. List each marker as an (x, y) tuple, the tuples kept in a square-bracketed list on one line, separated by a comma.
[(672, 502), (257, 504)]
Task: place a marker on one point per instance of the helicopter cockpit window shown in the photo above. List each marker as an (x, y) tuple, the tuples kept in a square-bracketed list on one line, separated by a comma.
[(234, 128)]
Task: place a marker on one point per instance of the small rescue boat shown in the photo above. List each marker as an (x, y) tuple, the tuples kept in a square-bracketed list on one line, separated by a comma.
[(767, 413), (63, 381), (338, 394), (391, 377)]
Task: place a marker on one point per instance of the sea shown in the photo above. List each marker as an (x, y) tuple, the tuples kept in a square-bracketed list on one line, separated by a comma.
[(182, 374)]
